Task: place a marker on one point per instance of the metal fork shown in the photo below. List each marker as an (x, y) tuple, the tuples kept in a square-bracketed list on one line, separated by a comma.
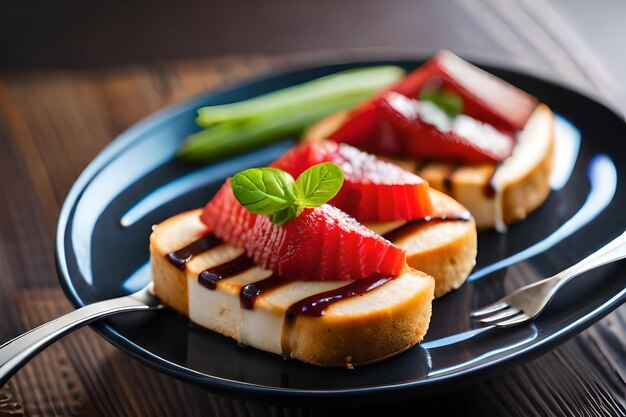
[(527, 302), (16, 352)]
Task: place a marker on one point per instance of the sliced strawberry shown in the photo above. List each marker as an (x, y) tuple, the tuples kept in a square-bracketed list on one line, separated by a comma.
[(485, 97), (427, 141), (399, 117), (373, 190), (367, 129), (321, 244), (377, 125)]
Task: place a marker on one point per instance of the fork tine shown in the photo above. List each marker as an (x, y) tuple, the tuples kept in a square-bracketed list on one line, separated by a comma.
[(500, 315), (520, 318), (488, 309)]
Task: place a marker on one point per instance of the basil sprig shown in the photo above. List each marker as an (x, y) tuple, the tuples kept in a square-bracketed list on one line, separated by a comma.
[(448, 101), (273, 192)]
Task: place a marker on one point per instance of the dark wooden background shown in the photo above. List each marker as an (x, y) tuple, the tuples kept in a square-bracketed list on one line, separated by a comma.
[(74, 74)]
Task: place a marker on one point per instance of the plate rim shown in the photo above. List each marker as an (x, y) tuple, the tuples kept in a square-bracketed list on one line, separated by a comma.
[(230, 387)]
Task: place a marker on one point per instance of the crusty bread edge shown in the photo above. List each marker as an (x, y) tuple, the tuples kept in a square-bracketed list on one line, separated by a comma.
[(522, 197), (363, 339), (169, 283), (451, 263), (451, 257)]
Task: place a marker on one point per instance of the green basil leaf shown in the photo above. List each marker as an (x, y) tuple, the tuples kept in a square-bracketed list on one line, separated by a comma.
[(273, 192), (264, 190), (284, 215), (319, 184), (448, 101)]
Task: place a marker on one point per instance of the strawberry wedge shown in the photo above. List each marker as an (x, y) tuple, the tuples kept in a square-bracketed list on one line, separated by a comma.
[(464, 140), (369, 128), (492, 108), (395, 125), (321, 244), (374, 191), (485, 96)]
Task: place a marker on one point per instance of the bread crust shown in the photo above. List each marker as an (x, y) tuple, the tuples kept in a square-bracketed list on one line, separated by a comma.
[(339, 340), (171, 283), (446, 250), (451, 255), (522, 197)]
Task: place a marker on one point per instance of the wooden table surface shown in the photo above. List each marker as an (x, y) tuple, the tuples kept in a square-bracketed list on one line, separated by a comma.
[(53, 122)]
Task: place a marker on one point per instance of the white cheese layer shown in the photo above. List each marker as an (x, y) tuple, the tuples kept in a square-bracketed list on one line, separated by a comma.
[(220, 309)]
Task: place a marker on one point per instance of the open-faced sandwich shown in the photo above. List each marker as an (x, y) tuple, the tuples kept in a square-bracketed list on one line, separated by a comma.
[(470, 134), (336, 267)]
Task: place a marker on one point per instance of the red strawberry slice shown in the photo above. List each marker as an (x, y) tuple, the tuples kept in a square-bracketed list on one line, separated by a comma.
[(427, 141), (321, 244), (397, 119), (485, 97), (367, 129), (374, 126), (373, 190)]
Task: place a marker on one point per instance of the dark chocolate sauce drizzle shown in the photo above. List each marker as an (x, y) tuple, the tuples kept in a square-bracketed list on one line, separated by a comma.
[(180, 257), (420, 166), (209, 277), (249, 293), (411, 225), (447, 180), (489, 190), (316, 305)]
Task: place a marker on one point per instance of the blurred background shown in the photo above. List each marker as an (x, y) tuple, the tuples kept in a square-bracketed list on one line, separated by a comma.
[(579, 35), (78, 33)]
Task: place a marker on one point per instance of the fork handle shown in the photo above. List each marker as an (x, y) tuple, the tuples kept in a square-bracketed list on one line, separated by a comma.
[(16, 352), (611, 252)]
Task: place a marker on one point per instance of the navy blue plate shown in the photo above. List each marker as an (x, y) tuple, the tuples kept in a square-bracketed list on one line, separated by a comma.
[(102, 252)]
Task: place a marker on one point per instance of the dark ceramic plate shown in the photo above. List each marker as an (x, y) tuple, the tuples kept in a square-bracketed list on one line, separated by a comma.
[(104, 226)]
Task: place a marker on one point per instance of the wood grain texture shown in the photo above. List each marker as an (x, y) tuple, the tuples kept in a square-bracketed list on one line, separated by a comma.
[(52, 123)]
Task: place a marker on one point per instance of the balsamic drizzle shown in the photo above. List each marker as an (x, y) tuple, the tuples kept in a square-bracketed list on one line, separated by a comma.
[(447, 180), (209, 277), (411, 225), (489, 190), (316, 305), (183, 255), (420, 166), (249, 293)]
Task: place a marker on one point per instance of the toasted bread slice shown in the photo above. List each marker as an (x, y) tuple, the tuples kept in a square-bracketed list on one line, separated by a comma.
[(496, 199), (446, 250), (380, 323)]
